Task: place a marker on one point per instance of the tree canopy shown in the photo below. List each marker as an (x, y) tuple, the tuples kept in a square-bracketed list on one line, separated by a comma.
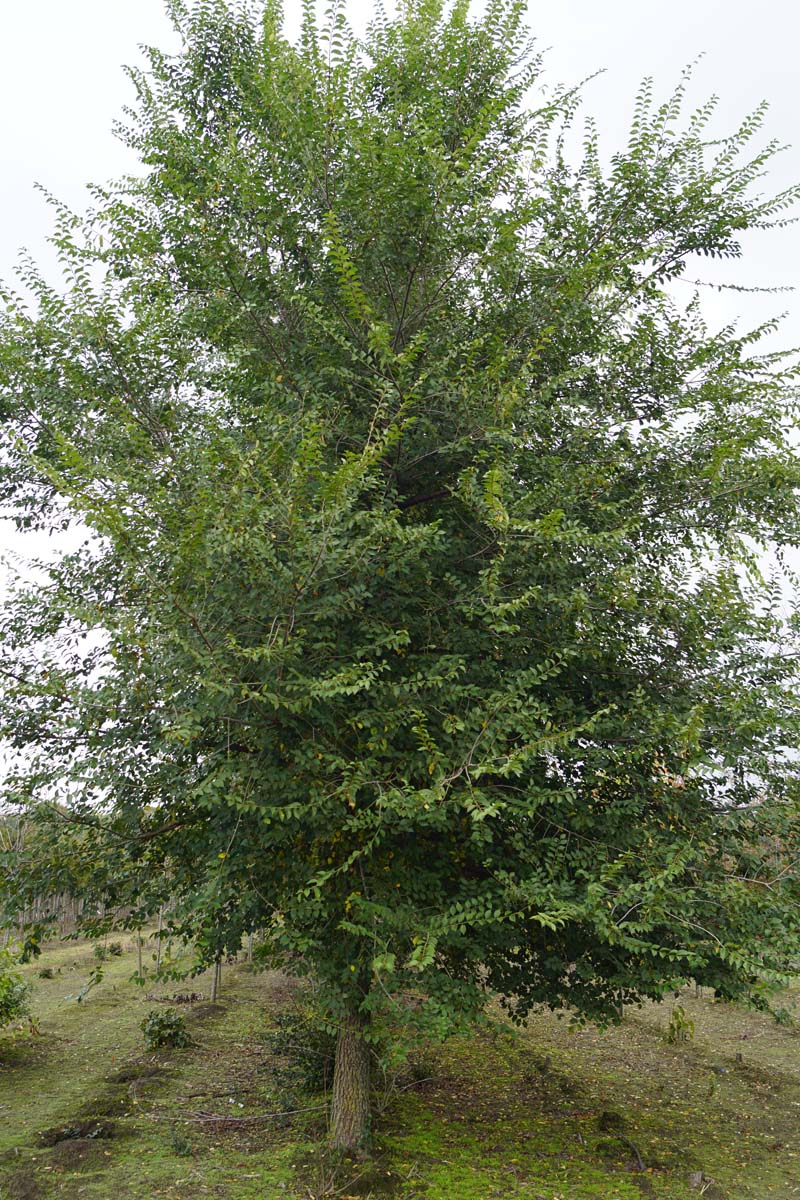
[(421, 621)]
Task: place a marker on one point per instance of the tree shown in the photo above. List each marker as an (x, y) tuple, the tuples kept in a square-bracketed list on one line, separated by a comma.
[(421, 620)]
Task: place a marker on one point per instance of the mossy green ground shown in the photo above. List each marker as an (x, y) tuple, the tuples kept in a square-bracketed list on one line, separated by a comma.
[(545, 1114)]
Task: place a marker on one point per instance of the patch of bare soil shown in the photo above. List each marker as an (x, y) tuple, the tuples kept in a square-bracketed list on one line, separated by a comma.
[(93, 1129), (203, 1012), (135, 1073)]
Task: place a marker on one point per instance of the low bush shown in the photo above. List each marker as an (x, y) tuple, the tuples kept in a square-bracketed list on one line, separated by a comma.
[(180, 1143), (165, 1029), (680, 1027), (109, 950), (14, 992)]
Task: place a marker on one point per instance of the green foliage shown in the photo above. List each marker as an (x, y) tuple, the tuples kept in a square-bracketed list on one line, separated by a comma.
[(680, 1027), (305, 1047), (103, 951), (14, 991), (180, 1143), (165, 1029), (784, 1016), (421, 621), (94, 980)]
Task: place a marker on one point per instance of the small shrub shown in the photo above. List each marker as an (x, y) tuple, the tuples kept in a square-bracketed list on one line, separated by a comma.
[(14, 992), (165, 1029), (681, 1027), (46, 973), (307, 1049), (180, 1143), (784, 1016), (109, 950)]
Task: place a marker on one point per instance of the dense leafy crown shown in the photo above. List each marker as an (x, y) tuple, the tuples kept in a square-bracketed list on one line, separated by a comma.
[(420, 621)]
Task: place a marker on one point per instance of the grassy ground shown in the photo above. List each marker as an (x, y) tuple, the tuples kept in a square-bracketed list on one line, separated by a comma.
[(545, 1114)]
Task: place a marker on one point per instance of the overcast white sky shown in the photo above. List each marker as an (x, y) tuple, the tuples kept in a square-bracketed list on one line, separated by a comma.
[(62, 84)]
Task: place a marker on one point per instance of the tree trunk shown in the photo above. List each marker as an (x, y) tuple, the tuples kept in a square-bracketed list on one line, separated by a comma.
[(158, 943), (215, 980), (350, 1110)]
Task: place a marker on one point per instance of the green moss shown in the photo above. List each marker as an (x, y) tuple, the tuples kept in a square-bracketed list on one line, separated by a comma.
[(544, 1113)]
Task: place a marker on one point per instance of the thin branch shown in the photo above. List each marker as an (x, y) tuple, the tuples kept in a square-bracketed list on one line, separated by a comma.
[(424, 498), (229, 1119)]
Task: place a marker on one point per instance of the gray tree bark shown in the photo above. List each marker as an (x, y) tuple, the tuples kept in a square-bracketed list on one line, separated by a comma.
[(350, 1108)]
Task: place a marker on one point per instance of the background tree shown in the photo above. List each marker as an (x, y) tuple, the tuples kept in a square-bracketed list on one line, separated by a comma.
[(421, 621)]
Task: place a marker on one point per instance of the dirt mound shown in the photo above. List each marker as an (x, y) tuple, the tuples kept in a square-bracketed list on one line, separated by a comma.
[(134, 1073), (68, 1133), (203, 1011), (74, 1152)]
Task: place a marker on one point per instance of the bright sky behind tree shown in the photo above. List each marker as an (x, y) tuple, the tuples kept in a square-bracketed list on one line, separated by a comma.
[(62, 85)]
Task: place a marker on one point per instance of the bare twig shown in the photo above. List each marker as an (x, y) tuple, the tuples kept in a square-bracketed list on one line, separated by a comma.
[(202, 1118)]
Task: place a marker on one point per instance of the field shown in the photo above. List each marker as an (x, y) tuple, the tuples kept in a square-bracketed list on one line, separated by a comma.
[(545, 1114)]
